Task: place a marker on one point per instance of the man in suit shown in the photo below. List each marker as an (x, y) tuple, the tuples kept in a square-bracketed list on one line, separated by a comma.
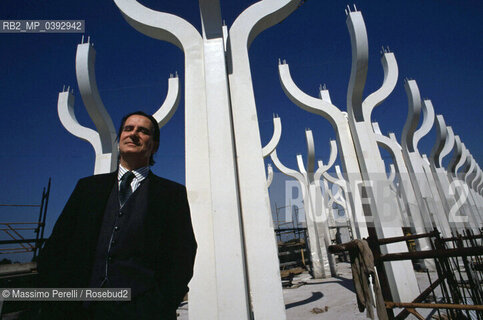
[(126, 229)]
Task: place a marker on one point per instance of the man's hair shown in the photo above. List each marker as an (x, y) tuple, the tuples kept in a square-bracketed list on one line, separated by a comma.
[(154, 124)]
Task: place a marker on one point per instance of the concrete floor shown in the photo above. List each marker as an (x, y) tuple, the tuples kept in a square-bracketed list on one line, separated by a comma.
[(331, 298), (312, 299)]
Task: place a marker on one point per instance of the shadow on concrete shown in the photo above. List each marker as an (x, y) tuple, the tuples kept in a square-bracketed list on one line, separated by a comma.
[(345, 282), (315, 296)]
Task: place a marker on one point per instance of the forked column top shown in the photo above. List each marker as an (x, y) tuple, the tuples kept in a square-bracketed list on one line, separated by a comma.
[(360, 109), (442, 142), (86, 80), (159, 25)]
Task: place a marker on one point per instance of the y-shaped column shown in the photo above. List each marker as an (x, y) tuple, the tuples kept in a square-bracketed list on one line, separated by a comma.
[(323, 107), (340, 182), (414, 160), (319, 203), (225, 170), (418, 221), (262, 261), (219, 288), (438, 200), (465, 165), (384, 207), (461, 161), (317, 243), (104, 140), (314, 245), (466, 197), (456, 161), (328, 196), (444, 142), (472, 178)]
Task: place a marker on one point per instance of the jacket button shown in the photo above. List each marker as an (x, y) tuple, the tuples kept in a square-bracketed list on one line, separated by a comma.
[(116, 228), (113, 242), (120, 213)]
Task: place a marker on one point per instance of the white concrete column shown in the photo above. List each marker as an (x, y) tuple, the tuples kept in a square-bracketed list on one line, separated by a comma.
[(384, 208), (218, 289), (320, 267), (261, 249), (407, 191), (323, 107), (228, 246), (104, 139), (409, 140), (319, 209), (465, 196)]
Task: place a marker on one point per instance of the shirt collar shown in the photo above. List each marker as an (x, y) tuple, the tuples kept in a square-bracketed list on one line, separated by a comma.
[(140, 173)]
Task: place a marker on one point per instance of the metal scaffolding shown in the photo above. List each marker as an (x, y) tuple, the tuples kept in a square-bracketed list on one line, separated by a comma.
[(18, 231), (459, 270)]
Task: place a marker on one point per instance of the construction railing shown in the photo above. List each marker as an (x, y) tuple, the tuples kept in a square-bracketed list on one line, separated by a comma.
[(458, 267), (21, 233)]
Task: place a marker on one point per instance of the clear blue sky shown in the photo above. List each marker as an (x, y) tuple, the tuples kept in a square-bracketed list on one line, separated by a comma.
[(436, 42)]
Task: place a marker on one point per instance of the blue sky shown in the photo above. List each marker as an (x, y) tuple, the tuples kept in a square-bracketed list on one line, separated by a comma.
[(436, 42)]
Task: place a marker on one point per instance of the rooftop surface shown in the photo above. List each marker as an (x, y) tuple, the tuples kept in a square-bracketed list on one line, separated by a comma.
[(331, 298)]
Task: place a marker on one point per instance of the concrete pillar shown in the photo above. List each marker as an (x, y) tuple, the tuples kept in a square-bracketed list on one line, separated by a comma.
[(104, 139), (315, 212), (342, 185), (236, 271), (462, 209), (466, 177), (446, 187), (407, 191), (384, 208), (261, 248), (323, 107), (433, 215)]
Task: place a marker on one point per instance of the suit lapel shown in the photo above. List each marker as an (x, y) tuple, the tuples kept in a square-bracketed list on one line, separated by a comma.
[(98, 191), (156, 217), (101, 189)]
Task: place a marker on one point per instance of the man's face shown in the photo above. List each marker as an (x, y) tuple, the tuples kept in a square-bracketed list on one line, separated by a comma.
[(136, 139)]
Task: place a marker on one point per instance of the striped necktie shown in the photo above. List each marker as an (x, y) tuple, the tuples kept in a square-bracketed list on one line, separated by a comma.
[(125, 188)]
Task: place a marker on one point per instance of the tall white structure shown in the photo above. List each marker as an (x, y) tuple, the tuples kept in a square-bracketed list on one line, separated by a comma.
[(433, 212), (103, 140), (316, 212), (236, 271), (408, 194), (323, 106), (448, 188), (360, 155), (384, 208)]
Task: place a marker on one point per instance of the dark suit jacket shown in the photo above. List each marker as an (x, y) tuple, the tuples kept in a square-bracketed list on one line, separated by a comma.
[(67, 257)]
